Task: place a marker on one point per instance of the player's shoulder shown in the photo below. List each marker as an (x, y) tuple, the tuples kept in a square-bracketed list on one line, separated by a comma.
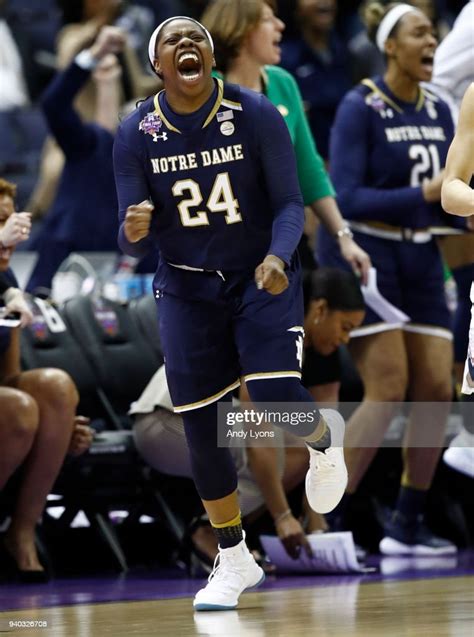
[(234, 93), (357, 96), (131, 122), (243, 99), (434, 104), (371, 95), (368, 86)]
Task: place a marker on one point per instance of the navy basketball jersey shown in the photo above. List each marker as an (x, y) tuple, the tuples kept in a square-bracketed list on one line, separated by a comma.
[(219, 178), (382, 149)]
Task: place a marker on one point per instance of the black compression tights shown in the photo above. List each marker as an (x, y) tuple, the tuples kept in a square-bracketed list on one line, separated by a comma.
[(213, 467)]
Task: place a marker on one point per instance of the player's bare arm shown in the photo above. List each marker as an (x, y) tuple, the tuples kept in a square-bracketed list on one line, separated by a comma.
[(457, 196)]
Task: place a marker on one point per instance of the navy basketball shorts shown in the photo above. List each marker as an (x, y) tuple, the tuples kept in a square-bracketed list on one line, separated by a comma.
[(216, 327), (409, 275)]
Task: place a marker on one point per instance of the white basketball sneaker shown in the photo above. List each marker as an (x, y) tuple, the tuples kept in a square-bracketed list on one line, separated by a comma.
[(235, 570), (460, 455), (326, 479)]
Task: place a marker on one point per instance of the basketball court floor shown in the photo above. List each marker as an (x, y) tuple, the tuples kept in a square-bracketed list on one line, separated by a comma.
[(404, 597)]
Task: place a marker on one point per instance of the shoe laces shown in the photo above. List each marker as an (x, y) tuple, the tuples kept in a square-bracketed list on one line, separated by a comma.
[(322, 460), (221, 570)]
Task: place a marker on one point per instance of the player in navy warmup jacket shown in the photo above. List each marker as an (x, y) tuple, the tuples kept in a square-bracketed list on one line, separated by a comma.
[(206, 174), (388, 148)]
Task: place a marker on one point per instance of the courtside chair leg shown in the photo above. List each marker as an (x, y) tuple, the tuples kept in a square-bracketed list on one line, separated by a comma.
[(176, 527), (111, 539)]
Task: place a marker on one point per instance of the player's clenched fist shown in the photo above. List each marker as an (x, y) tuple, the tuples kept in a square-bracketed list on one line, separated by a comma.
[(137, 221), (17, 228), (270, 275)]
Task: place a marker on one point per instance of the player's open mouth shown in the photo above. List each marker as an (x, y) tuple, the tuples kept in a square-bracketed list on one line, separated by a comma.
[(427, 62), (189, 66)]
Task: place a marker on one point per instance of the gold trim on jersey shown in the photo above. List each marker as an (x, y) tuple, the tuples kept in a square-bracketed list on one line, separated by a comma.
[(429, 94), (158, 110), (375, 89), (208, 400), (421, 100), (236, 106), (217, 104), (215, 108), (263, 375)]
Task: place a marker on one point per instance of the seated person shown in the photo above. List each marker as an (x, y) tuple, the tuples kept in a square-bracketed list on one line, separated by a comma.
[(334, 307), (16, 228), (38, 426)]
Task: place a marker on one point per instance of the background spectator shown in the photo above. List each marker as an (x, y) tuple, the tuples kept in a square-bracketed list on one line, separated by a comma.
[(83, 216), (37, 427), (83, 20), (319, 61)]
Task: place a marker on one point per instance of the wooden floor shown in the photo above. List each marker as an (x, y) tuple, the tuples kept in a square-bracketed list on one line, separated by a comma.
[(432, 608)]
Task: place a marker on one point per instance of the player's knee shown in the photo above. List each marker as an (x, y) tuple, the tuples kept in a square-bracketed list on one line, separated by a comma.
[(216, 477), (436, 389), (390, 385)]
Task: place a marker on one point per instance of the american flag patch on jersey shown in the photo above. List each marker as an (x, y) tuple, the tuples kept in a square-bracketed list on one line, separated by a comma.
[(223, 116)]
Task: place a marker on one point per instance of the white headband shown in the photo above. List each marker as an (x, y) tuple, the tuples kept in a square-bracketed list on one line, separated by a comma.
[(156, 33), (389, 20)]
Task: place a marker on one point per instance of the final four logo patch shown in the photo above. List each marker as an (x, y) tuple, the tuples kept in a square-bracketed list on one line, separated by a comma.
[(378, 104), (151, 125)]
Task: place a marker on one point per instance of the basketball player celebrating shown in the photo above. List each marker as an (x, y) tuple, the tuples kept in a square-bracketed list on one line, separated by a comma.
[(388, 145), (206, 174)]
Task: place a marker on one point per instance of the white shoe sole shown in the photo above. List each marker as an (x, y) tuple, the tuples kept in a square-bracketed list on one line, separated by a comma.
[(203, 606), (461, 460), (390, 546)]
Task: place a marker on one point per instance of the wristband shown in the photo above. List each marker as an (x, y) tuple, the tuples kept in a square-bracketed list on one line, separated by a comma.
[(282, 516), (85, 60), (344, 232), (10, 294)]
